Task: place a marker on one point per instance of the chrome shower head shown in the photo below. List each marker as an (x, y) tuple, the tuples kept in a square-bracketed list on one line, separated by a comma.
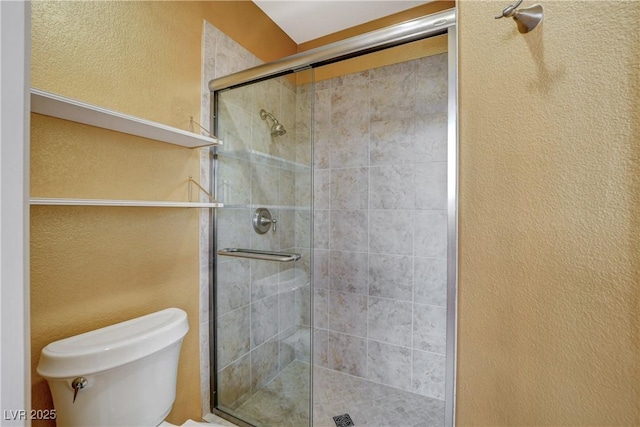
[(277, 129)]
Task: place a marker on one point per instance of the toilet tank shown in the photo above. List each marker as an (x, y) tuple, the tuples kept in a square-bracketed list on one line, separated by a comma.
[(130, 370)]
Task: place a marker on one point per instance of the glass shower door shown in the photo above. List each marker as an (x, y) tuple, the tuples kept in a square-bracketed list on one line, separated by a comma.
[(262, 298)]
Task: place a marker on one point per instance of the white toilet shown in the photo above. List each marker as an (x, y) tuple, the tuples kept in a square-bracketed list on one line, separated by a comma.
[(121, 375)]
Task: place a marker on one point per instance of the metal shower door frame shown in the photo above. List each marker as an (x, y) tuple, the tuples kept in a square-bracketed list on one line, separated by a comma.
[(444, 22)]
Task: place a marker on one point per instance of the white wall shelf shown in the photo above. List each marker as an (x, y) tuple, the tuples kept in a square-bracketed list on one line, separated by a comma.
[(124, 203), (50, 104)]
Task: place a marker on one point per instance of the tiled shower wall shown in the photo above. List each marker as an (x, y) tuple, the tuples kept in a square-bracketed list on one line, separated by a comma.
[(380, 231), (258, 304)]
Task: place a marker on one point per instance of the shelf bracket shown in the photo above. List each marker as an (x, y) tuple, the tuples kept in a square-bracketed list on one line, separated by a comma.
[(209, 134), (193, 181)]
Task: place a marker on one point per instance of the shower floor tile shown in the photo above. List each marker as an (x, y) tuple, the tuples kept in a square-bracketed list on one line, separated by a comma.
[(283, 402)]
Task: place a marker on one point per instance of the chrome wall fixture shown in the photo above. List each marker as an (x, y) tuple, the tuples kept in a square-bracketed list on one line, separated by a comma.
[(262, 221), (276, 129), (526, 18), (261, 255)]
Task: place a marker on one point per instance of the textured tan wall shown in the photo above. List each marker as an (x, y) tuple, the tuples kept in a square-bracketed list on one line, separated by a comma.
[(549, 228), (91, 267)]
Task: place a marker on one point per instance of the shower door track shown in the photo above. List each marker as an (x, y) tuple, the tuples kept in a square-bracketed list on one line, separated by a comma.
[(394, 35), (432, 25)]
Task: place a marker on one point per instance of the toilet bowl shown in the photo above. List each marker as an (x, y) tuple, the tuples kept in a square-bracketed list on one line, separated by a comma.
[(121, 375)]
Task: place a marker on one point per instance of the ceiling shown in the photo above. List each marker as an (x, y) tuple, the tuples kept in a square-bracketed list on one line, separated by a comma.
[(305, 20)]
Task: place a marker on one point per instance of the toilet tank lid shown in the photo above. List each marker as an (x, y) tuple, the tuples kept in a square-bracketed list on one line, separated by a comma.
[(113, 346)]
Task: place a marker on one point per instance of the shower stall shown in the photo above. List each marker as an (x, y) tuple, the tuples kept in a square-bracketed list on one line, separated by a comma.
[(333, 282)]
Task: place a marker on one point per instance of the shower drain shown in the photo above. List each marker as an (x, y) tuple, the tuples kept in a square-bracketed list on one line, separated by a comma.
[(343, 420)]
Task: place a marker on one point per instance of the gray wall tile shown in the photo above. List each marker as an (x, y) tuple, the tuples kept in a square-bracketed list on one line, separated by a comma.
[(286, 228), (430, 228), (232, 335), (322, 189), (322, 148), (303, 189), (321, 347), (286, 310), (302, 228), (321, 308), (348, 354), (431, 185), (392, 142), (430, 281), (264, 279), (321, 235), (233, 285), (303, 305), (391, 276), (321, 269), (349, 230), (390, 321), (361, 77), (322, 109), (350, 104), (233, 229), (287, 195), (393, 97), (264, 364), (392, 187), (234, 382), (431, 85), (348, 313), (349, 271), (431, 138), (400, 69), (265, 184), (264, 320), (234, 187), (391, 232), (350, 188), (428, 374), (349, 146), (287, 351), (234, 128), (389, 364), (429, 328)]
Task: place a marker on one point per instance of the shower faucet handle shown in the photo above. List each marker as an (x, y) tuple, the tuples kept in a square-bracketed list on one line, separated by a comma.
[(266, 222), (262, 221)]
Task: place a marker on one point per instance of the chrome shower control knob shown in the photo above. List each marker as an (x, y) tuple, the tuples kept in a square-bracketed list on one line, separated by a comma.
[(262, 221), (77, 385)]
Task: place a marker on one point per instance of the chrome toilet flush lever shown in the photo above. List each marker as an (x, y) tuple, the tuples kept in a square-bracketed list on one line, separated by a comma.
[(77, 385)]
